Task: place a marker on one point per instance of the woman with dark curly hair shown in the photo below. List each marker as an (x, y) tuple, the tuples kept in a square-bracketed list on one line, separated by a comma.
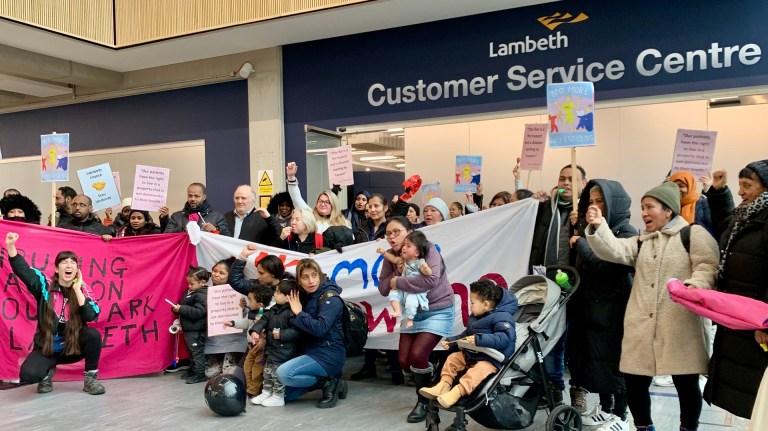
[(19, 208)]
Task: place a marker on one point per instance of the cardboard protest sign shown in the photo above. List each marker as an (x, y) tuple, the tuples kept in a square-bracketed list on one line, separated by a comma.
[(98, 183), (223, 306), (150, 188)]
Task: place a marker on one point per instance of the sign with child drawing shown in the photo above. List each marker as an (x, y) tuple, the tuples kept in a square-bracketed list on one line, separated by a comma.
[(467, 173), (223, 306), (429, 191), (570, 109), (54, 155)]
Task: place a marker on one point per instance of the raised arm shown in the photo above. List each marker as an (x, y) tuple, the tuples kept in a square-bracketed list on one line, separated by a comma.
[(293, 186), (32, 278), (605, 245)]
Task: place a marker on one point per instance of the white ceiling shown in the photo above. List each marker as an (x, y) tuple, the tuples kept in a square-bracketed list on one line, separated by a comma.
[(375, 15)]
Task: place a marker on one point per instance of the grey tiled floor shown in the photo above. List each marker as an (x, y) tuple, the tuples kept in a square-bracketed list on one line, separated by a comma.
[(163, 402)]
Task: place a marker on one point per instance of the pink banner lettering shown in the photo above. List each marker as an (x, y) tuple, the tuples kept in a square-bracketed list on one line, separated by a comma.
[(129, 279)]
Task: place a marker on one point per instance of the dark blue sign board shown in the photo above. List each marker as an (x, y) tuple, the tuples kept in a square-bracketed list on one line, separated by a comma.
[(504, 60)]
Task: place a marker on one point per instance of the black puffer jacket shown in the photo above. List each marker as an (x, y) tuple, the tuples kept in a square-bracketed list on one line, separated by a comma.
[(738, 362), (194, 306), (596, 309), (89, 225), (278, 317)]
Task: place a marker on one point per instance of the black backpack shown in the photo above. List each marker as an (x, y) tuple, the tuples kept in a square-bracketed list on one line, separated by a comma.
[(354, 323)]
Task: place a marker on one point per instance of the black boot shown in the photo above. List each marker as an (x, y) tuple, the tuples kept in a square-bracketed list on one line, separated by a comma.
[(419, 412), (330, 394)]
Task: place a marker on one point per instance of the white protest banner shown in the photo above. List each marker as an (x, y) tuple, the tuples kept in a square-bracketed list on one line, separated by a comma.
[(150, 188), (340, 166), (494, 241), (693, 151), (534, 140), (98, 184), (223, 306)]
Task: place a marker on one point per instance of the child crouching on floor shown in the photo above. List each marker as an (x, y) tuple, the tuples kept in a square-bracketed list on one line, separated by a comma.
[(491, 325), (259, 297), (282, 337)]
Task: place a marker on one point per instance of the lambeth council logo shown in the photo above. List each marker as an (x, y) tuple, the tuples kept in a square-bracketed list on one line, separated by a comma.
[(553, 21)]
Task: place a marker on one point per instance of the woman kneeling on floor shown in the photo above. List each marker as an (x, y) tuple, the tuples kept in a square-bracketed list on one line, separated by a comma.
[(318, 317)]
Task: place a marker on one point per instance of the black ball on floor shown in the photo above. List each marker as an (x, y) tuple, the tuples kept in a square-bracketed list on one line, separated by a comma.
[(225, 395)]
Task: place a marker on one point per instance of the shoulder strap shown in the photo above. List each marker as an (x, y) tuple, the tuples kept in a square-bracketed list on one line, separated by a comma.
[(326, 295), (685, 237), (318, 240)]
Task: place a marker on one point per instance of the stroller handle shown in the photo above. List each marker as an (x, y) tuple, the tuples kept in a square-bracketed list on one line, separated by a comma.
[(573, 275)]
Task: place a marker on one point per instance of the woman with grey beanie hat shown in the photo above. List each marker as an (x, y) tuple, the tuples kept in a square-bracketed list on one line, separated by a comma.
[(738, 361), (660, 336)]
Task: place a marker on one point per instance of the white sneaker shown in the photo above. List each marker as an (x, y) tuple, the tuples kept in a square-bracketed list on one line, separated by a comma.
[(257, 400), (273, 401), (614, 424), (595, 417), (663, 381)]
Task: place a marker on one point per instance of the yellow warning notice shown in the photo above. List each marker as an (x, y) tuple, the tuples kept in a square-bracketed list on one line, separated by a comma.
[(265, 182)]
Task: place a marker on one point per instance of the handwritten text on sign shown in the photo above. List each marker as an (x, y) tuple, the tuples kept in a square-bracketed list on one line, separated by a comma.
[(150, 188), (533, 147), (340, 166), (693, 151), (223, 306)]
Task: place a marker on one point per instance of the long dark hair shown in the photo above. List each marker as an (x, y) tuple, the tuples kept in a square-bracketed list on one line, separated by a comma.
[(50, 320), (273, 265)]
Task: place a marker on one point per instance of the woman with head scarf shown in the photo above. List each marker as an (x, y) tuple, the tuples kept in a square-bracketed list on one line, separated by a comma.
[(694, 207), (356, 214), (738, 360)]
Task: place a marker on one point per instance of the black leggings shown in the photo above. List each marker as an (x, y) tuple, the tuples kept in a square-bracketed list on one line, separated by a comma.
[(37, 365), (688, 393), (614, 403)]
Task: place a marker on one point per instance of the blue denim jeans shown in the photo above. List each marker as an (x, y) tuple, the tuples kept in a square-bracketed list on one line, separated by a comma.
[(554, 362), (298, 375)]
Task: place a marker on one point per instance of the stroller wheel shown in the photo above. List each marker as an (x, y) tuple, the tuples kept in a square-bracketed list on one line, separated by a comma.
[(564, 418)]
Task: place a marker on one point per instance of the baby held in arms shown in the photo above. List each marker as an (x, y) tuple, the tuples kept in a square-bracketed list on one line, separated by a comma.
[(415, 249)]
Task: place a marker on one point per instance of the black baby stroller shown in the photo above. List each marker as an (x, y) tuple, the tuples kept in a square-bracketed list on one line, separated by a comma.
[(510, 398)]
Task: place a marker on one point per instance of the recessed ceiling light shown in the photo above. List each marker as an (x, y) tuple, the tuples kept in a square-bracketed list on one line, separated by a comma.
[(372, 158), (367, 169), (400, 165), (396, 129)]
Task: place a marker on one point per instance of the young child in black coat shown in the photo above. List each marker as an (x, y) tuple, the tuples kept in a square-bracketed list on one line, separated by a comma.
[(281, 343), (192, 311)]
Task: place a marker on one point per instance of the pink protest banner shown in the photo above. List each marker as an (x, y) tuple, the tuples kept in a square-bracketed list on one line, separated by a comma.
[(129, 278)]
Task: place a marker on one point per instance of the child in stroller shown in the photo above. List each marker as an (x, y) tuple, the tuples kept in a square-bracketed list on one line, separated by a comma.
[(491, 325), (508, 399)]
